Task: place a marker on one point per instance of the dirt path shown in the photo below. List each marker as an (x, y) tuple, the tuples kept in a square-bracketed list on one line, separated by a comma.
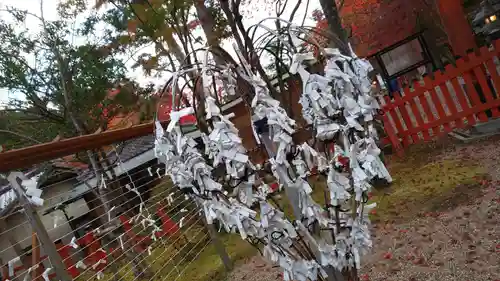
[(458, 240)]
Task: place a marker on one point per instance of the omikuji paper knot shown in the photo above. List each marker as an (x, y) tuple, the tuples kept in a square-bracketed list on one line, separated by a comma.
[(81, 265), (27, 275), (371, 162), (339, 106), (33, 193), (362, 242), (175, 116), (211, 107), (45, 274), (223, 145), (298, 59), (338, 184), (73, 243), (12, 264)]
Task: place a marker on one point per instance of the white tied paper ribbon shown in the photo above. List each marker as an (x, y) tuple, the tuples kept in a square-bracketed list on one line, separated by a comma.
[(73, 243), (103, 183), (27, 275), (45, 274), (223, 145), (12, 264), (81, 265), (32, 191), (175, 116), (371, 162), (231, 216), (338, 184), (341, 91)]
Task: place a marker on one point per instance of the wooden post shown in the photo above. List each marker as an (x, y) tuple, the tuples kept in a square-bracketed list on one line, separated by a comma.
[(39, 228), (219, 247), (36, 275)]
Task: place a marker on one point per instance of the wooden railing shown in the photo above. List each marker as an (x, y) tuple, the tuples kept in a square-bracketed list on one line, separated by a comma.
[(459, 97)]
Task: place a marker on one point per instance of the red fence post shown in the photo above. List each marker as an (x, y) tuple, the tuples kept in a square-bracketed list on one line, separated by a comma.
[(393, 137), (64, 251)]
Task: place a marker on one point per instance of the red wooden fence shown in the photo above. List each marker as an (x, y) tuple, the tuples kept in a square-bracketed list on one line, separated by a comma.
[(456, 98)]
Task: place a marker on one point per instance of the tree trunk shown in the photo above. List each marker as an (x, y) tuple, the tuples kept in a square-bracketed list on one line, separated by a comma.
[(208, 25), (332, 15), (174, 47), (232, 24)]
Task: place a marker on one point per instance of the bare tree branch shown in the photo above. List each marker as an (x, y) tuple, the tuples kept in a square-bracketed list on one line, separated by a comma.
[(297, 5), (20, 135)]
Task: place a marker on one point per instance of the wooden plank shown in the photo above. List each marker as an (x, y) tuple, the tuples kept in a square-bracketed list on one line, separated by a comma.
[(24, 157), (412, 101), (450, 103), (424, 102), (471, 120), (440, 81), (440, 112), (474, 96), (392, 113), (219, 246), (492, 69)]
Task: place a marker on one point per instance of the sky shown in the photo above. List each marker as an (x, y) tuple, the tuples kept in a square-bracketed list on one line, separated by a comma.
[(253, 13)]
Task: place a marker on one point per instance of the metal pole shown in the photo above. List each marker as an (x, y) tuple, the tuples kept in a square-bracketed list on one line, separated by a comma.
[(219, 247), (39, 228)]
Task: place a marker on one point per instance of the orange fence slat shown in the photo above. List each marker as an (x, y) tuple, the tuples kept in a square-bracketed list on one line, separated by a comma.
[(474, 96), (407, 138), (424, 102), (391, 134), (394, 116), (481, 78), (462, 100), (419, 121), (440, 112)]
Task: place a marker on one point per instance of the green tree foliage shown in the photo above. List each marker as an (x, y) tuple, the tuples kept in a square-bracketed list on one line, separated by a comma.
[(166, 25), (29, 70)]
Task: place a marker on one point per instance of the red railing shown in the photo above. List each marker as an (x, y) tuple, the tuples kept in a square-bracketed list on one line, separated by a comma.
[(92, 249), (459, 97)]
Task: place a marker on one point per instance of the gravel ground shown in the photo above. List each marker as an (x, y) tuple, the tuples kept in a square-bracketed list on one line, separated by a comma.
[(460, 241), (461, 244)]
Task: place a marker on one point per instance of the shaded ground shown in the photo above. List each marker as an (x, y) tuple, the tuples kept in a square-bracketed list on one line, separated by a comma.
[(440, 220)]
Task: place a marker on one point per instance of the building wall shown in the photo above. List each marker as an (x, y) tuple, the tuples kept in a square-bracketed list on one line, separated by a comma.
[(369, 21)]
